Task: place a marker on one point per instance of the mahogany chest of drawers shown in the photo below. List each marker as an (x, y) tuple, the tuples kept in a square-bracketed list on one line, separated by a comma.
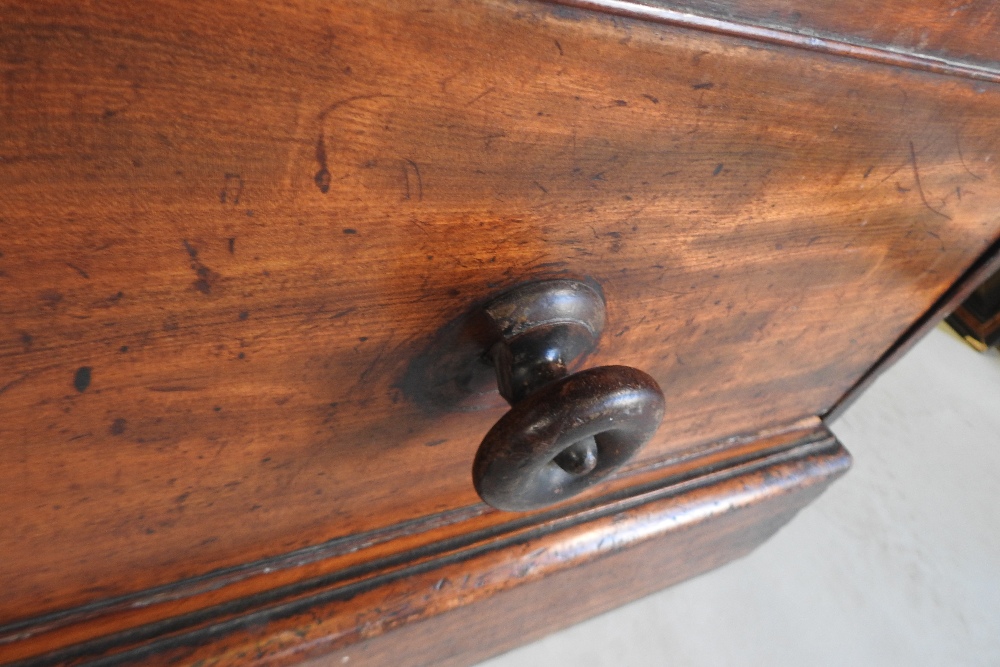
[(243, 249)]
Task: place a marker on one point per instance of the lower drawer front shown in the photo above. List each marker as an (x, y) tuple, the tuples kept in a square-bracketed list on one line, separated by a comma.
[(476, 585), (231, 233)]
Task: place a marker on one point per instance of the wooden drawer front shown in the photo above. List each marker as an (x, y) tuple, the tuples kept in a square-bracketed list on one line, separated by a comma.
[(245, 220)]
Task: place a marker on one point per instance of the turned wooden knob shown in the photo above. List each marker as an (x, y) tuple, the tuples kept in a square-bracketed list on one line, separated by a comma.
[(563, 432)]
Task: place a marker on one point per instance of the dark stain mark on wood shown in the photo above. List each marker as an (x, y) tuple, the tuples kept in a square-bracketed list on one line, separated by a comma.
[(717, 170), (703, 86), (652, 99), (202, 284), (78, 270), (342, 313), (322, 177), (26, 339), (232, 189), (559, 46), (868, 171), (244, 315), (123, 349), (51, 298), (540, 187), (232, 245), (81, 380), (117, 426), (920, 188), (621, 103), (206, 276), (348, 230), (488, 139)]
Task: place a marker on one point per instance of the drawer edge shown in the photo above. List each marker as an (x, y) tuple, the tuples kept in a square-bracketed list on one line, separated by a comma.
[(420, 611)]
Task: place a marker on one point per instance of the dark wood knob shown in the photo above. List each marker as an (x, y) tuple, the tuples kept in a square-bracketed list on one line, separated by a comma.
[(563, 432)]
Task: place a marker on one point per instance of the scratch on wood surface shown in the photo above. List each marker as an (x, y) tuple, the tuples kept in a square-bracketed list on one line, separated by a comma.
[(491, 89), (958, 145), (322, 177), (920, 188), (420, 183), (14, 383), (78, 270), (232, 189)]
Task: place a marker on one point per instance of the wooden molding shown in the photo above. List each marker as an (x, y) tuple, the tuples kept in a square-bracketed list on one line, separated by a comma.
[(785, 32), (312, 603)]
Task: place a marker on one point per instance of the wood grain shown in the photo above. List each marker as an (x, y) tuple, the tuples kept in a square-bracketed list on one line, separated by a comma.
[(944, 30), (188, 602), (520, 615), (228, 229), (673, 528), (987, 265)]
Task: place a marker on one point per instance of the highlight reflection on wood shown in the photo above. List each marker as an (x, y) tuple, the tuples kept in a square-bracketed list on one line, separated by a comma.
[(232, 233)]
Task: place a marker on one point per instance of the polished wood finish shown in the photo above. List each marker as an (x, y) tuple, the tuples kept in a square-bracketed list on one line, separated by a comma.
[(565, 431), (786, 28), (985, 266), (235, 236), (242, 220), (691, 520), (516, 616), (536, 455), (960, 32)]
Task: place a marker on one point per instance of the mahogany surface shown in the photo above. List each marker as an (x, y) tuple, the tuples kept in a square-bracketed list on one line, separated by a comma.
[(516, 616), (228, 230), (956, 31), (697, 520)]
